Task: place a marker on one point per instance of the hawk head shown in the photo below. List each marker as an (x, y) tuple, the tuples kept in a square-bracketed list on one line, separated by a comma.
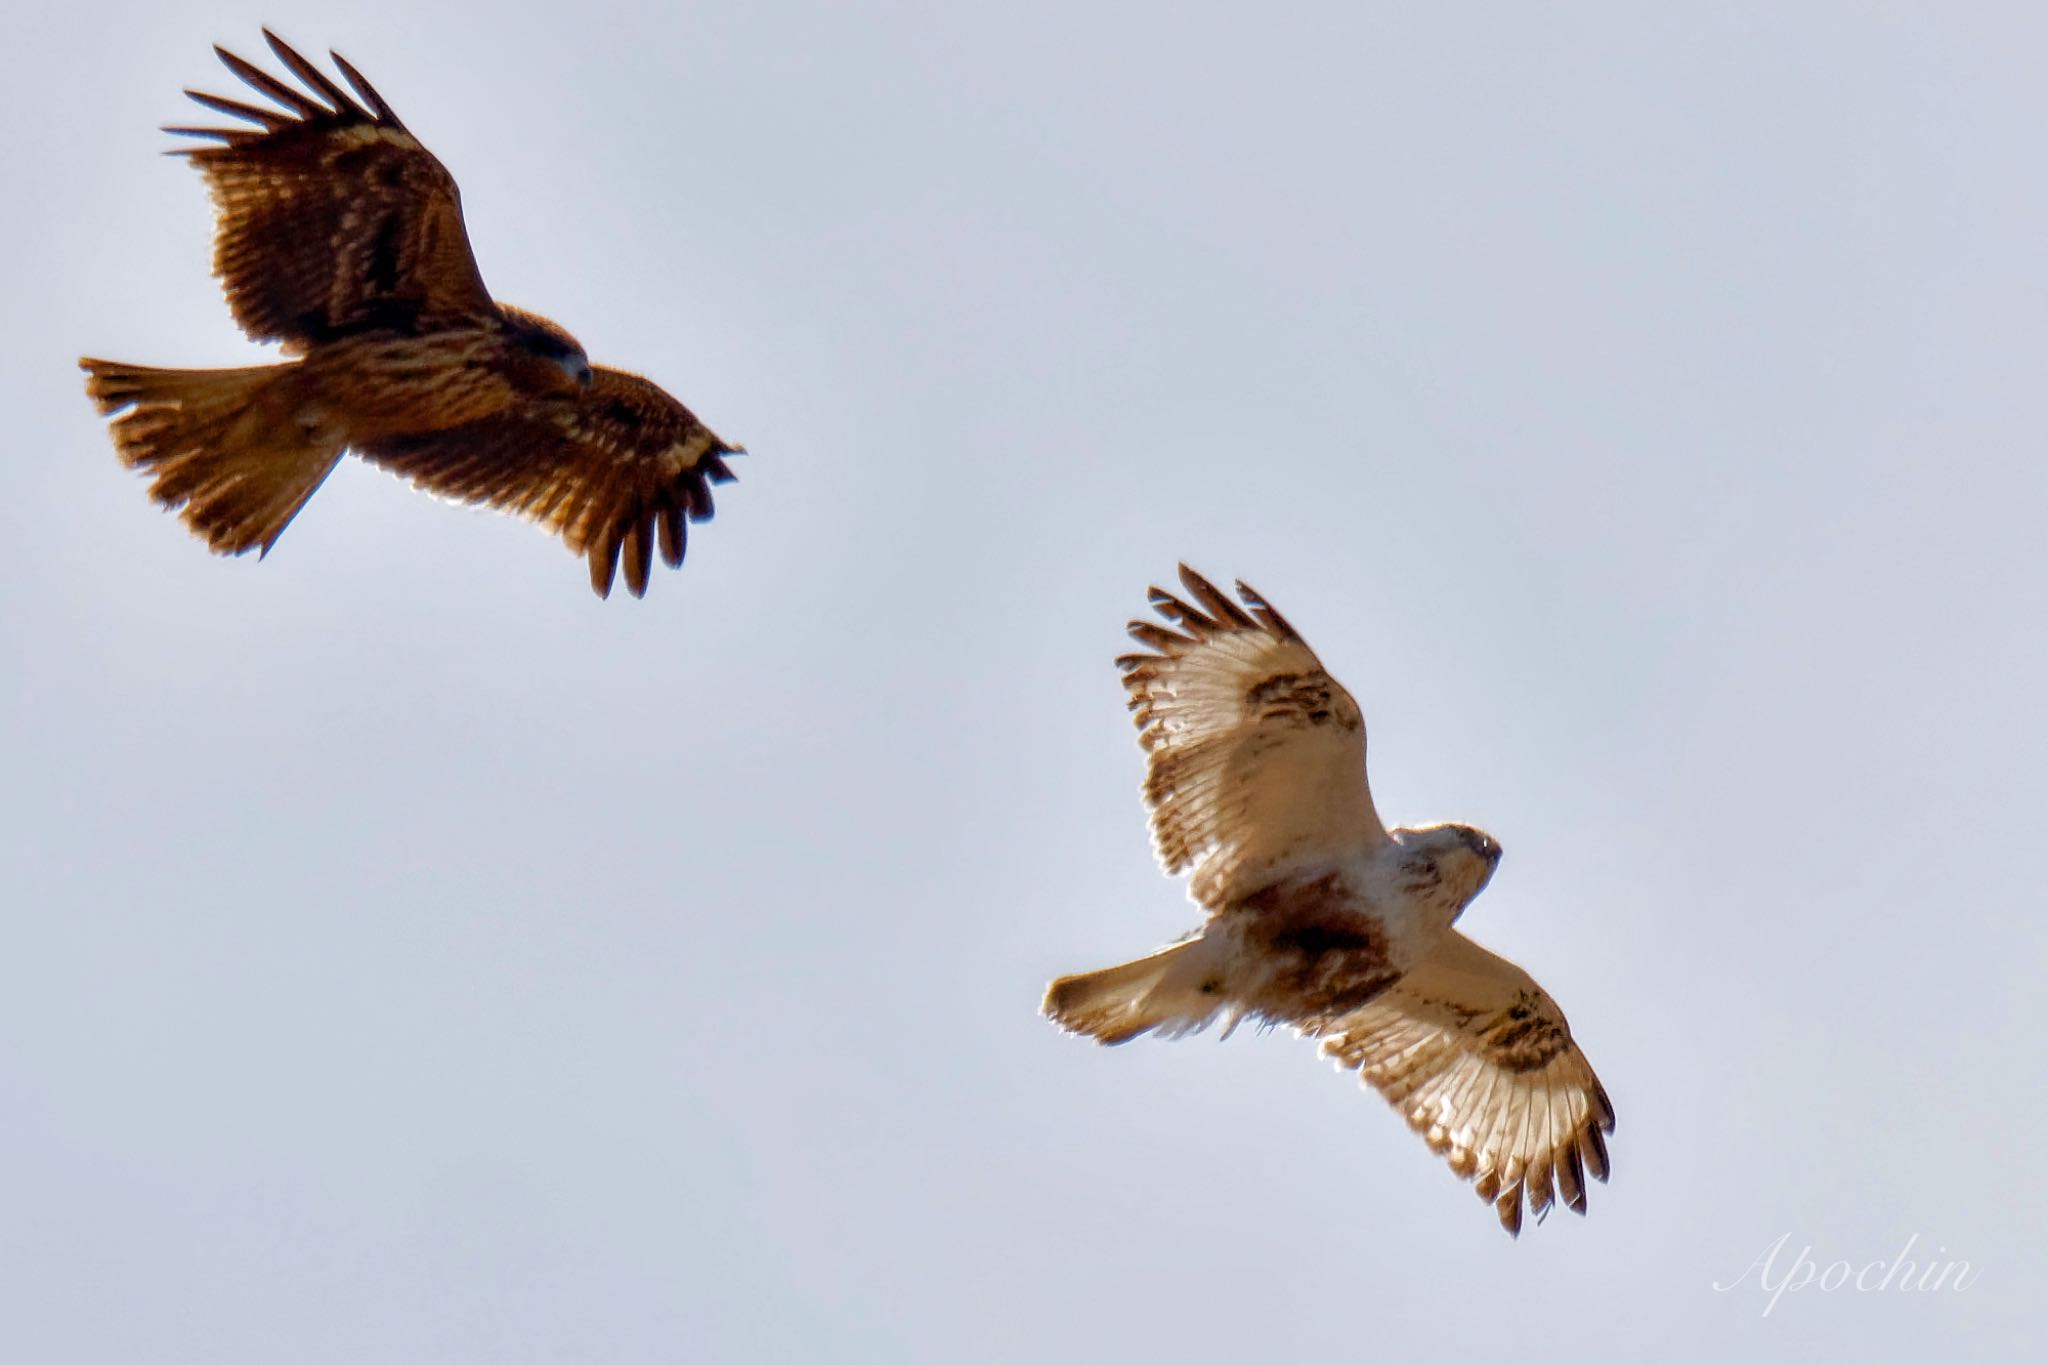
[(1456, 861), (543, 354)]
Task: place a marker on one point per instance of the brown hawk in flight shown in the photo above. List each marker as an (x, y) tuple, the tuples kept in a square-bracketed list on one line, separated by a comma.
[(1322, 919), (341, 238)]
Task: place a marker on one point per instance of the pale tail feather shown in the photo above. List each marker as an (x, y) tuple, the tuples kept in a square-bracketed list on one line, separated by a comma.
[(1175, 990), (228, 448)]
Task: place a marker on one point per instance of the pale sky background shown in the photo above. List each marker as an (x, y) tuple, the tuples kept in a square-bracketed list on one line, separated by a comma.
[(409, 957)]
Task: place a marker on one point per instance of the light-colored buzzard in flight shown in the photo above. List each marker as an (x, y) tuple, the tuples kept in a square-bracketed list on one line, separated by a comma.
[(341, 238), (1322, 919)]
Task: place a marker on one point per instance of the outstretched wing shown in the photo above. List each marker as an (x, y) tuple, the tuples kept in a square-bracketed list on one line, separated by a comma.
[(1255, 755), (1481, 1061), (613, 471), (332, 217)]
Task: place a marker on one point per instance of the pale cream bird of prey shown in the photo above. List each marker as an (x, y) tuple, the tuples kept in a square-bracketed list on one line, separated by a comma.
[(1322, 919)]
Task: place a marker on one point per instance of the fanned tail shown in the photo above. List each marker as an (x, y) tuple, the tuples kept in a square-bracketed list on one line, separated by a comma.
[(1175, 990), (229, 449)]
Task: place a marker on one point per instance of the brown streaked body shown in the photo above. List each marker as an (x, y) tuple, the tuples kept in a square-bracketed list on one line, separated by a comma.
[(1323, 920), (341, 239)]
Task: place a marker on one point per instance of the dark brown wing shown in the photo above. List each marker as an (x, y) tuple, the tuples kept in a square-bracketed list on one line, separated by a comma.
[(613, 472), (1479, 1059), (333, 218)]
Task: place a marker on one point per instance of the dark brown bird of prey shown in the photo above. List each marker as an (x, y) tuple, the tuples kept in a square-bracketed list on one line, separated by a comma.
[(1324, 920), (341, 238)]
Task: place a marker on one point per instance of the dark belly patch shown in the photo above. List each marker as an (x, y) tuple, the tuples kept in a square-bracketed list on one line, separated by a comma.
[(1323, 955)]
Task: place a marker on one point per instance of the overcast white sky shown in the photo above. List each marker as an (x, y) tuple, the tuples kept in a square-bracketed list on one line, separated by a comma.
[(409, 957)]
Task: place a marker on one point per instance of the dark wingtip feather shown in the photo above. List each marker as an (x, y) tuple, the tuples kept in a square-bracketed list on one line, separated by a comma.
[(1536, 1184), (604, 567), (1175, 610), (220, 104), (367, 91), (636, 554), (1214, 600), (1195, 583), (1593, 1148), (1265, 612), (1155, 636), (697, 499), (1571, 1179), (313, 76), (1509, 1207), (256, 78), (675, 536)]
